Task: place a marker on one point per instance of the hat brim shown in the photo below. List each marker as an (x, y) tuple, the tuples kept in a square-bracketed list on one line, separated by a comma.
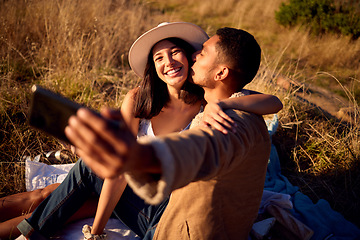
[(139, 51)]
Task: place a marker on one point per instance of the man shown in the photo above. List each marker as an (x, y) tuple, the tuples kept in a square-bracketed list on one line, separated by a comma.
[(215, 180)]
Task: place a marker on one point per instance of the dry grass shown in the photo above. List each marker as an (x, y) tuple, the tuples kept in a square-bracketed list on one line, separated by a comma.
[(318, 153), (79, 48), (76, 48)]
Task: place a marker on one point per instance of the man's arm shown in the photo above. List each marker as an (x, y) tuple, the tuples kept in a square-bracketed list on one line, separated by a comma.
[(107, 149), (156, 168)]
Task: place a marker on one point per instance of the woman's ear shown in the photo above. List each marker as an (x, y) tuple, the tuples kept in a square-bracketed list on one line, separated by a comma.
[(222, 73)]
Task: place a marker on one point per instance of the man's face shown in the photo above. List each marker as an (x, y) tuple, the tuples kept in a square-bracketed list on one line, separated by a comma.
[(205, 63)]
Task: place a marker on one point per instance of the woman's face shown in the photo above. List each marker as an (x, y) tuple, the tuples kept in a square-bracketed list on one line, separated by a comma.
[(171, 63)]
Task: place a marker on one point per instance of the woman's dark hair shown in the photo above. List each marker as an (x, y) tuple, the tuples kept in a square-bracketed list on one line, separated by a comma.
[(153, 94)]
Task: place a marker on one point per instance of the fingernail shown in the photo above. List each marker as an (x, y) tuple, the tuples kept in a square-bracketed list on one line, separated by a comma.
[(68, 131), (72, 120)]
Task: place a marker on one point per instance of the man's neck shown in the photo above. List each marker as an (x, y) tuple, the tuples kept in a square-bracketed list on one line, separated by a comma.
[(217, 94)]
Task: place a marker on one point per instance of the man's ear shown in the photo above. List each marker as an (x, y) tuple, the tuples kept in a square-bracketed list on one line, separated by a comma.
[(222, 73)]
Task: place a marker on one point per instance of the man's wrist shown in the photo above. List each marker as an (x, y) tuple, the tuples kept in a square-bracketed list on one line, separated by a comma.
[(146, 160), (154, 163)]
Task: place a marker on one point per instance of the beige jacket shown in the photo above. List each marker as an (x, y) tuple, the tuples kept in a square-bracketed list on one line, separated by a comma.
[(215, 180)]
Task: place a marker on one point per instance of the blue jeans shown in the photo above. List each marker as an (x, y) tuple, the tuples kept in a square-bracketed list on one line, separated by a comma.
[(80, 184)]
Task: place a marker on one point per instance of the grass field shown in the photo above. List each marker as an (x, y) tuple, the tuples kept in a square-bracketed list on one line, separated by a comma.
[(79, 49)]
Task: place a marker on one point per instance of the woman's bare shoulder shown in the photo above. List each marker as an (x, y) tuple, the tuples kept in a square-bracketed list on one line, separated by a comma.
[(129, 99), (128, 110)]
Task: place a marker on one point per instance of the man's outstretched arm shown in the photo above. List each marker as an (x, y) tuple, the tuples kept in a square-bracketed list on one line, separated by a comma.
[(156, 167), (109, 149)]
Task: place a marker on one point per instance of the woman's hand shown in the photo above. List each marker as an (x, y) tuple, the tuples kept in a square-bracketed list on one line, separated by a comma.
[(214, 116)]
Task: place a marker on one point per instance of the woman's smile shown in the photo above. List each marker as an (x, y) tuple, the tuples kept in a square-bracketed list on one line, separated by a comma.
[(173, 71)]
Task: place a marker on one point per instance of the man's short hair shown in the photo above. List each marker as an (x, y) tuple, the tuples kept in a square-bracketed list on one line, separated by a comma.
[(241, 51)]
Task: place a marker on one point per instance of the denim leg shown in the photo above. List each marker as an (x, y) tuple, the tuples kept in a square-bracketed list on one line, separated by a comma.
[(59, 206), (140, 217), (155, 212), (73, 192)]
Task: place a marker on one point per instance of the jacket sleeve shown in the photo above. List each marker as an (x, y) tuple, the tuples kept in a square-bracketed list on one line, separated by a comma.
[(198, 154)]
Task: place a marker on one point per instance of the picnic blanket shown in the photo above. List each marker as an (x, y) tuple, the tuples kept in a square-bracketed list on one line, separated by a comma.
[(114, 229), (320, 217)]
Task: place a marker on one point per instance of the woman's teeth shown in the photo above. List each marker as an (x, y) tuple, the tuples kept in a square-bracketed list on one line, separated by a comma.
[(173, 71)]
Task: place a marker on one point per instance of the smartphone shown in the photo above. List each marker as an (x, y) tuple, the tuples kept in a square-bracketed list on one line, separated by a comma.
[(50, 112)]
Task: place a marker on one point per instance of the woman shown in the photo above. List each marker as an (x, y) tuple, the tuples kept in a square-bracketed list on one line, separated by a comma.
[(165, 101)]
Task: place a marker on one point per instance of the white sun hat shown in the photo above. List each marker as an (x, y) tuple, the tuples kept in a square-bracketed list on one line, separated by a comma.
[(139, 51)]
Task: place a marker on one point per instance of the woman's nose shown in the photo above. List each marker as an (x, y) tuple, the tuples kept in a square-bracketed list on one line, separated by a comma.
[(170, 60)]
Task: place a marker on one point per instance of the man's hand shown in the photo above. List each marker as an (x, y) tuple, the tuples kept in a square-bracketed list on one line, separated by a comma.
[(107, 145)]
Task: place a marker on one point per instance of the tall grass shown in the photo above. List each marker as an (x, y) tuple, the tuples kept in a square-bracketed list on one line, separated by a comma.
[(79, 49), (318, 152)]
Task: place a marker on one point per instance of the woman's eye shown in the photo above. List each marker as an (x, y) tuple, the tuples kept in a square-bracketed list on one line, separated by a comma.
[(157, 59), (176, 51)]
